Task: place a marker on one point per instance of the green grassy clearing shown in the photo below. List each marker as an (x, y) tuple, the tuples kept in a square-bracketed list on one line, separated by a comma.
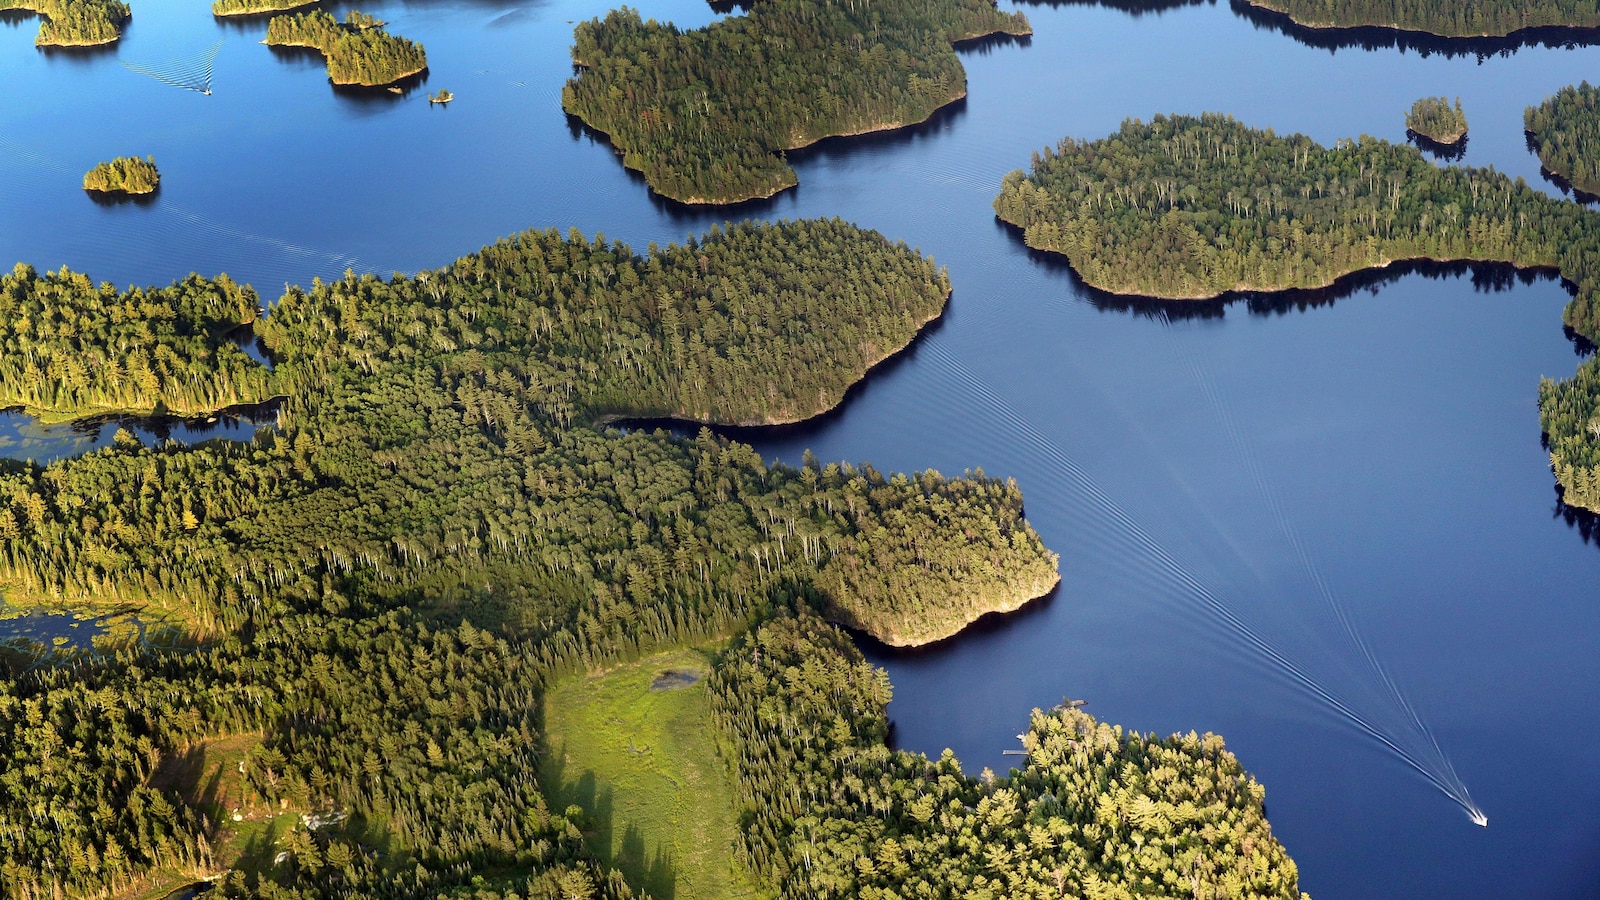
[(644, 767)]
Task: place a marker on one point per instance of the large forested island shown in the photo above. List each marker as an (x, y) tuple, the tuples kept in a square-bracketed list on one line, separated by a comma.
[(381, 589), (703, 114), (359, 51), (1186, 207), (1444, 18), (75, 23), (1565, 129)]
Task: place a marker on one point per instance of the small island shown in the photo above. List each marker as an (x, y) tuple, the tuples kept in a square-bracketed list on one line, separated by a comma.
[(706, 114), (75, 23), (358, 50), (1490, 18), (225, 8), (126, 175), (1186, 207), (1565, 131), (442, 97), (1434, 119)]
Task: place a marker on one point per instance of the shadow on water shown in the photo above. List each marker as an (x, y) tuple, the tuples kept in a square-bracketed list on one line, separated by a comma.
[(806, 428), (839, 147), (1581, 520), (988, 43), (1366, 37), (24, 437), (112, 199), (1487, 277), (1444, 152), (1560, 182)]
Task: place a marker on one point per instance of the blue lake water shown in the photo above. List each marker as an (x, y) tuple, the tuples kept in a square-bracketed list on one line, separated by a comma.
[(1389, 428)]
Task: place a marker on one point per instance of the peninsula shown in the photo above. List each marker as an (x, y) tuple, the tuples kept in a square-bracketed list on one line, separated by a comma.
[(226, 8), (124, 175), (1565, 130), (705, 115), (1189, 207), (359, 51), (75, 23), (1489, 18)]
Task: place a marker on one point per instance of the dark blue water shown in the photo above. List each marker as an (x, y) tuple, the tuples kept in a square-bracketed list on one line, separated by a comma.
[(1391, 427)]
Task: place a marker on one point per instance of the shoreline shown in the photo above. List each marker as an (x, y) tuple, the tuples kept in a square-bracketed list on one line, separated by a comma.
[(1327, 27), (270, 11)]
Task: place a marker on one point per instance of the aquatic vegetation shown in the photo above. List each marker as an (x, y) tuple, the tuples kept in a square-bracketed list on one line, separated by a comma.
[(706, 114), (124, 175), (1435, 119), (359, 51), (1565, 129), (75, 23)]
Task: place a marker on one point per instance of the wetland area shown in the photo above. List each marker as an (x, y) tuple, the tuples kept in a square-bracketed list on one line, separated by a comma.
[(1366, 454)]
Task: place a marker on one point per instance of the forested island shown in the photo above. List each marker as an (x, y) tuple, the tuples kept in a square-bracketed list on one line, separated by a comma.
[(705, 114), (1434, 119), (384, 586), (1187, 207), (123, 175), (1488, 18), (359, 51), (224, 8), (1565, 131), (75, 23)]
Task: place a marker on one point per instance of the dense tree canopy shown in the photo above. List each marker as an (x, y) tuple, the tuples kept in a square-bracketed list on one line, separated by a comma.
[(75, 23), (358, 50), (704, 113), (1445, 18), (1185, 207), (70, 348), (828, 810), (124, 175), (1435, 119), (1565, 129)]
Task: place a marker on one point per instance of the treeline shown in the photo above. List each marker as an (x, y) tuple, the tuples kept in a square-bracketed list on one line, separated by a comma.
[(256, 7), (1435, 119), (75, 23), (124, 175), (70, 348), (1569, 413), (705, 114), (358, 50), (1186, 207), (1565, 129), (1481, 18), (828, 810)]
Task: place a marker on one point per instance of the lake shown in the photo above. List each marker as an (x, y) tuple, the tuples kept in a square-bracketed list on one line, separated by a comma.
[(1368, 455)]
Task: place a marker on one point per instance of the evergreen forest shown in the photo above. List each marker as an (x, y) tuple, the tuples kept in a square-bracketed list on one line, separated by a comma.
[(1483, 18), (1565, 130), (705, 114), (380, 588), (75, 23), (358, 50), (124, 175), (1435, 119), (1192, 207), (255, 7)]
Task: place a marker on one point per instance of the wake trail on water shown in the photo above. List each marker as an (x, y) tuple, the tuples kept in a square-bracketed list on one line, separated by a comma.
[(192, 73), (1426, 744), (1150, 557)]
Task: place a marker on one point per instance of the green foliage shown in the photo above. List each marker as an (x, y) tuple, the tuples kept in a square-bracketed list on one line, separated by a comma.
[(1482, 18), (358, 50), (256, 7), (75, 23), (69, 348), (124, 175), (633, 747), (1569, 413), (1186, 207), (830, 811), (1435, 119), (703, 113), (1566, 130)]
